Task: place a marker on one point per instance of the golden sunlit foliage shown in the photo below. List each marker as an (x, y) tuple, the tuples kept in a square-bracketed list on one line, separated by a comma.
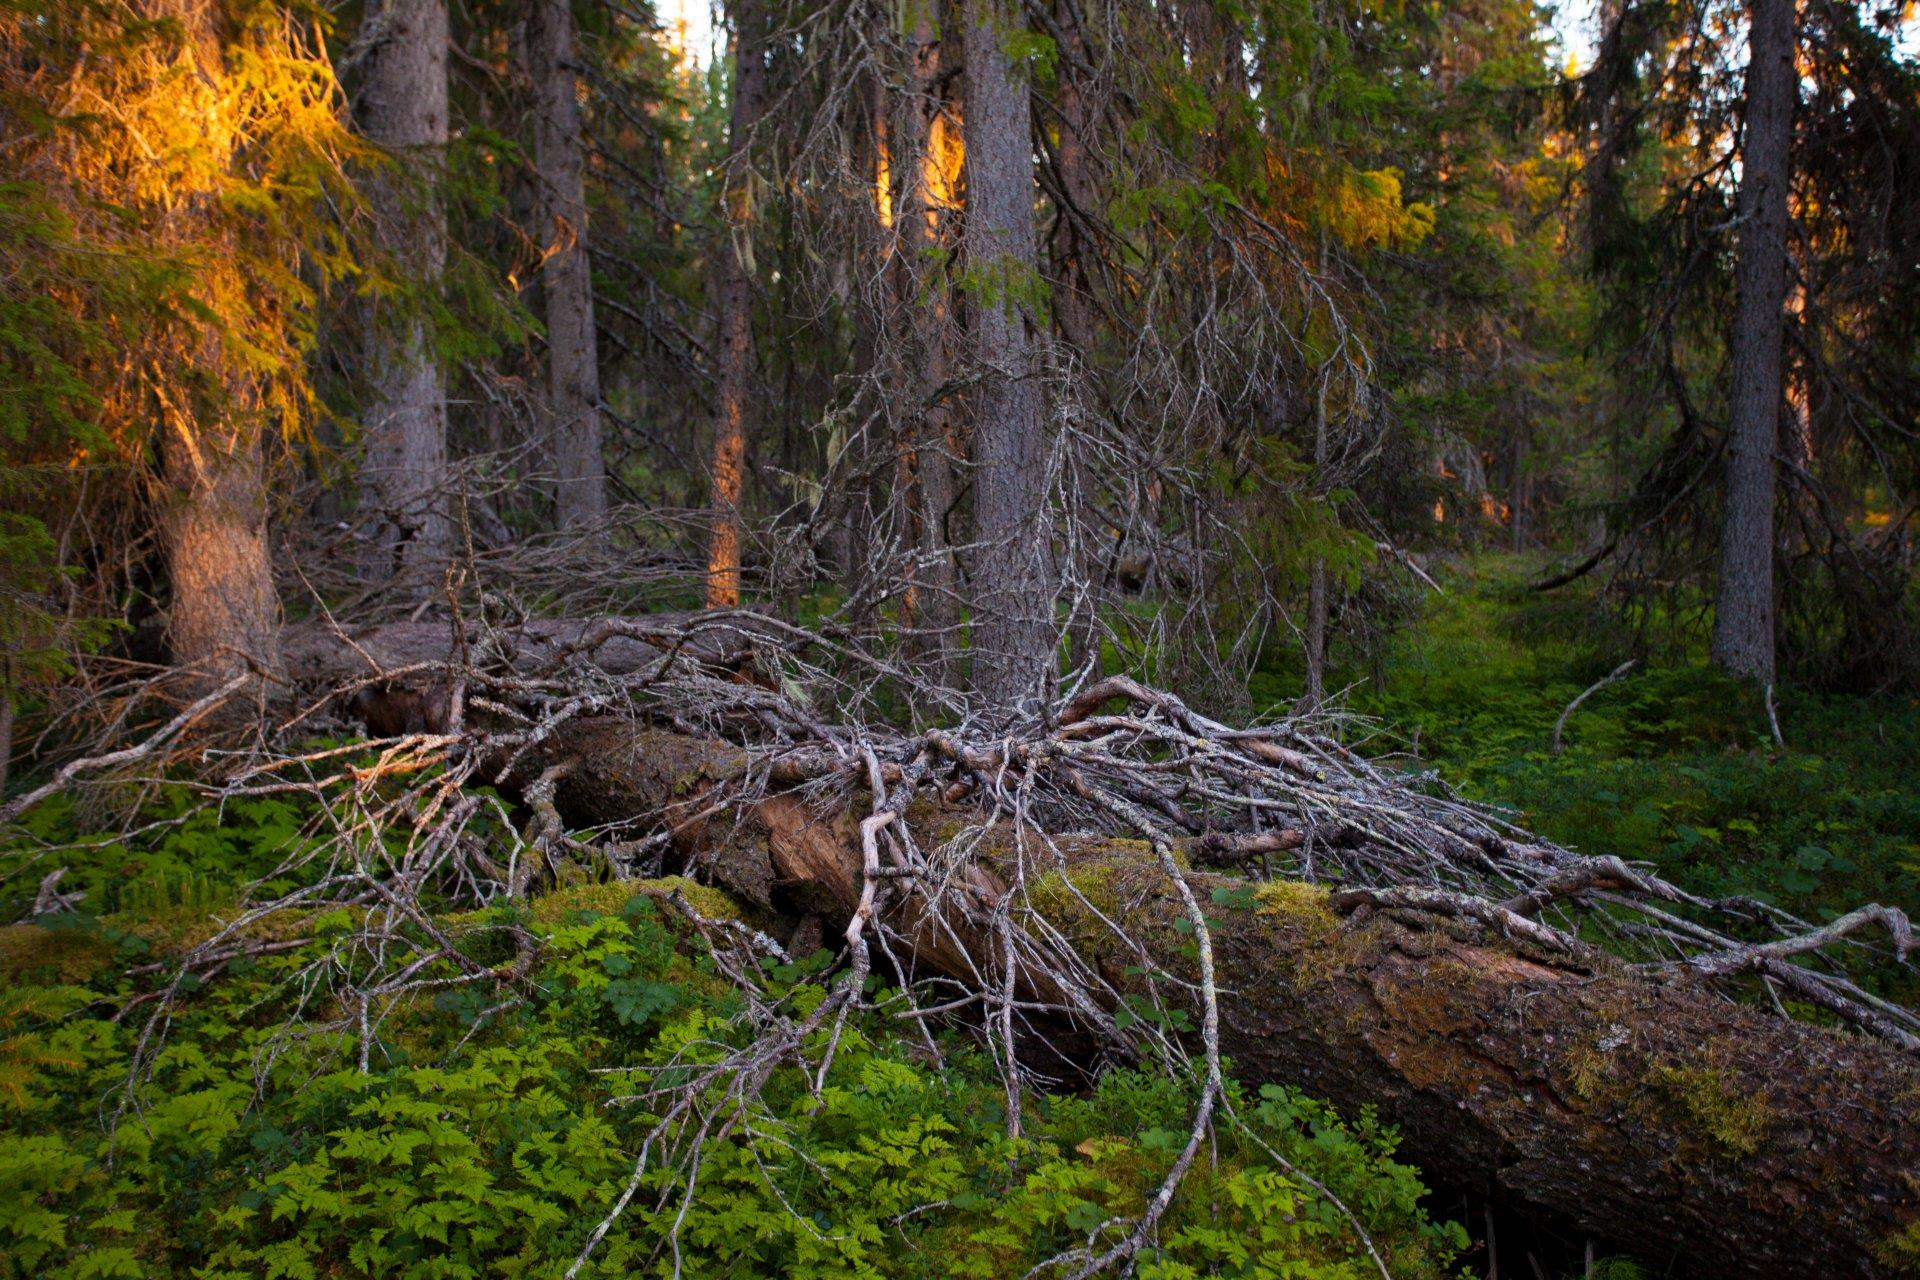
[(179, 179), (189, 149)]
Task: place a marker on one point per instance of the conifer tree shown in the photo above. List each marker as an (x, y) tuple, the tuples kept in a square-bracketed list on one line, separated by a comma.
[(401, 105), (734, 303), (1743, 607), (573, 362), (1013, 633)]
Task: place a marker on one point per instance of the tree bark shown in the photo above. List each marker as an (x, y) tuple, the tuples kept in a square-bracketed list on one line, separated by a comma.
[(566, 277), (1656, 1116), (734, 301), (1073, 308), (1318, 584), (1743, 607), (402, 106), (211, 504), (924, 294), (1014, 637), (224, 614)]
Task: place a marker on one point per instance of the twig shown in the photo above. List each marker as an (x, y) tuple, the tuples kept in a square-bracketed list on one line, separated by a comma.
[(126, 755), (1617, 673)]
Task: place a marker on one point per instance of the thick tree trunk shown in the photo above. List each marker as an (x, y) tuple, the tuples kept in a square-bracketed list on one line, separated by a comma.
[(1014, 637), (211, 506), (1743, 607), (1659, 1117), (734, 301), (224, 614), (566, 278), (402, 105)]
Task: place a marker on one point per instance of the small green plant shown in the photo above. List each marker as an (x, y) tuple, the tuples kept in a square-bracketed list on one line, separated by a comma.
[(489, 1137)]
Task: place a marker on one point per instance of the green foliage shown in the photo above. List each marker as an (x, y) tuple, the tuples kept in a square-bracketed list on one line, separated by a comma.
[(196, 856), (491, 1145), (1674, 765), (177, 204)]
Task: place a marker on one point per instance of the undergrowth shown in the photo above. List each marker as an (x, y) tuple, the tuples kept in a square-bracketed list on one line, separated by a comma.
[(490, 1143), (1674, 765)]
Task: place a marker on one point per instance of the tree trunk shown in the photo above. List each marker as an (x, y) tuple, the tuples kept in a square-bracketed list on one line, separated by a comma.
[(566, 278), (224, 613), (1014, 637), (1318, 584), (1658, 1117), (1074, 309), (924, 294), (211, 500), (1315, 693), (1743, 608), (402, 106), (1519, 486), (734, 301)]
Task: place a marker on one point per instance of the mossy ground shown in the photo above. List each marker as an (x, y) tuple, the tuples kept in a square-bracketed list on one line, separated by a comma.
[(1673, 765)]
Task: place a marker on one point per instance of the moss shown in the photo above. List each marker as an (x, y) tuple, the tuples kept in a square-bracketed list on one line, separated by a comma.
[(689, 762), (1062, 899), (1057, 894), (713, 903), (1714, 1103), (1319, 943), (1591, 1066), (1296, 901), (610, 897), (71, 954), (1588, 1073), (1901, 1250), (605, 899)]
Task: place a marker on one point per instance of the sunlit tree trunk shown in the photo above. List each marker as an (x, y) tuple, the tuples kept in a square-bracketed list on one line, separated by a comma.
[(566, 276), (401, 104), (212, 503), (1014, 580), (1743, 608), (734, 301), (925, 295), (224, 614)]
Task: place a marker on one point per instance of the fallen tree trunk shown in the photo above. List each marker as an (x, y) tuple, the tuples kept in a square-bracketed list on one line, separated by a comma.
[(1655, 1114), (327, 657)]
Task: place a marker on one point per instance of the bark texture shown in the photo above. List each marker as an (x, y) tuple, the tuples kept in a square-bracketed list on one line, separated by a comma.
[(401, 105), (322, 657), (1743, 607), (734, 299), (224, 613), (566, 277), (1655, 1115), (1014, 576)]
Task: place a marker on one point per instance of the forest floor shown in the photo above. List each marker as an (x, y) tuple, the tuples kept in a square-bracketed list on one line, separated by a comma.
[(1674, 764), (257, 1152)]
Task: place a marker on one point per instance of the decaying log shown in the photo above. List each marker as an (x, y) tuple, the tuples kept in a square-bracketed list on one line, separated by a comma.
[(1654, 1114), (322, 655)]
